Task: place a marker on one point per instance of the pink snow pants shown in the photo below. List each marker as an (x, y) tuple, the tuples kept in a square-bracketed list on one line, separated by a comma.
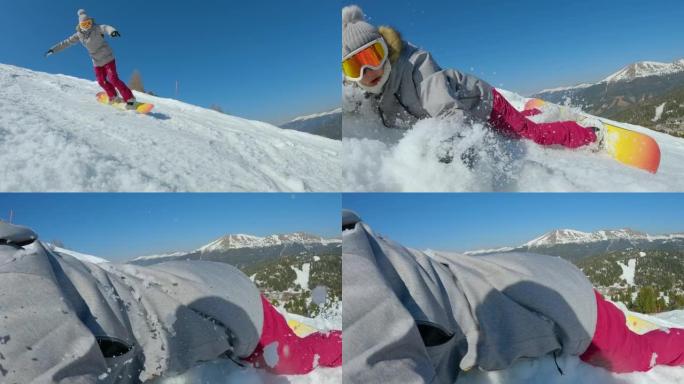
[(108, 72), (296, 355), (512, 122), (616, 348)]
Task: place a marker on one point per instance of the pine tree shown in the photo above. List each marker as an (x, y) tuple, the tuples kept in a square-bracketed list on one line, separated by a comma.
[(136, 82)]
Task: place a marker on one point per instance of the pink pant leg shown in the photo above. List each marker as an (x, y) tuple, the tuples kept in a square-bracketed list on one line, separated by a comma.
[(296, 355), (113, 77), (510, 121), (101, 75), (616, 348)]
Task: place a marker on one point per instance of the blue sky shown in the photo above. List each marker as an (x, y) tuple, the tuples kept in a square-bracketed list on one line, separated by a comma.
[(526, 46), (118, 226), (266, 60), (466, 221)]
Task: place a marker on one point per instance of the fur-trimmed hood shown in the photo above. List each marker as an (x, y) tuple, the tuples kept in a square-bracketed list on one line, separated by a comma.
[(395, 44)]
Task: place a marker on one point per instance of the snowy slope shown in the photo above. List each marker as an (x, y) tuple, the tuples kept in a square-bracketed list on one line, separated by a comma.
[(376, 158), (543, 370), (56, 137)]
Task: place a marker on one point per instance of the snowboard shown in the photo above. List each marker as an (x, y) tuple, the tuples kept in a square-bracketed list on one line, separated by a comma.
[(300, 329), (628, 147), (638, 324), (142, 108)]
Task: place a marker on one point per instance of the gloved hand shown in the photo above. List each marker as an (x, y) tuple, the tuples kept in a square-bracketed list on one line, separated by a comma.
[(49, 52), (115, 34)]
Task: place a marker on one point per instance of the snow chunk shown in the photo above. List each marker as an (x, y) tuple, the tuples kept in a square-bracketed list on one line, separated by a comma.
[(271, 354)]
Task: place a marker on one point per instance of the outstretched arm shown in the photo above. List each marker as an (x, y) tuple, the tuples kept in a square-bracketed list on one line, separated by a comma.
[(71, 40), (109, 30), (449, 92)]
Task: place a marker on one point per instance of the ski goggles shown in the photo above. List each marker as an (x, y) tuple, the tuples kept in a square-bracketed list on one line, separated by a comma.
[(372, 55), (86, 24)]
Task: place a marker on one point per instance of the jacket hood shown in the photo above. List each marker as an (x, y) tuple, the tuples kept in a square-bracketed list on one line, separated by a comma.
[(394, 42), (17, 235)]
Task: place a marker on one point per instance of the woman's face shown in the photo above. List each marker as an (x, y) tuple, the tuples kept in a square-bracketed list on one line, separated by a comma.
[(371, 77)]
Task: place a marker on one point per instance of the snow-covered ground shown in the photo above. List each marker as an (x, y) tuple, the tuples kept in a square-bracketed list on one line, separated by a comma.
[(54, 136), (544, 371), (376, 158), (628, 271)]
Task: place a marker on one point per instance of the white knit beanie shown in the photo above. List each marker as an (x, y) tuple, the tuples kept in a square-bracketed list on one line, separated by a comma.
[(356, 31)]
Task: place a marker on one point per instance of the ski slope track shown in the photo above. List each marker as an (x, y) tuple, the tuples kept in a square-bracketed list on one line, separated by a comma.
[(54, 136), (377, 158)]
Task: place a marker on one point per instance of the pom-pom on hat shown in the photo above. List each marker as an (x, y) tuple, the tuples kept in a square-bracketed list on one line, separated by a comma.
[(82, 15), (356, 31)]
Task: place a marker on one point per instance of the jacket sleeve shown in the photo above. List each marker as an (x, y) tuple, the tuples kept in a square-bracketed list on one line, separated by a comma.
[(449, 92), (106, 29), (71, 40)]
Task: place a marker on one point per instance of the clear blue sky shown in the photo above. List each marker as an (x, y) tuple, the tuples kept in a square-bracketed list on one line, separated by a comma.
[(118, 226), (525, 46), (267, 60), (463, 221)]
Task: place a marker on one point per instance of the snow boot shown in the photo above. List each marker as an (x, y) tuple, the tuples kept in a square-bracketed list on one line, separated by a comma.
[(130, 104)]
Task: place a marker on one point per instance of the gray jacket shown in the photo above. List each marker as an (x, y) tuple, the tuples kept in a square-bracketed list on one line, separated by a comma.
[(63, 320), (94, 41), (412, 317), (418, 88)]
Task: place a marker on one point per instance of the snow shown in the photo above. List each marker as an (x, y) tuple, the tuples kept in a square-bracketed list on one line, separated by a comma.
[(544, 371), (317, 115), (642, 254), (80, 256), (56, 137), (377, 158), (628, 271), (302, 276), (658, 112), (558, 89)]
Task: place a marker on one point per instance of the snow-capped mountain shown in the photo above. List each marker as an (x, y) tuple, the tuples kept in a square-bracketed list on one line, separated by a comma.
[(645, 69), (633, 95), (244, 250), (237, 241), (577, 245), (571, 236), (57, 137), (327, 124)]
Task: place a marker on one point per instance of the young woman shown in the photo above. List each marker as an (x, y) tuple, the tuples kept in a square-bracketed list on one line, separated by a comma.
[(68, 320), (92, 36), (409, 85), (413, 317)]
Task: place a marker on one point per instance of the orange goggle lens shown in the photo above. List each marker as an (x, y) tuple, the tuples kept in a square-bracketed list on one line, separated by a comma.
[(372, 56), (86, 24)]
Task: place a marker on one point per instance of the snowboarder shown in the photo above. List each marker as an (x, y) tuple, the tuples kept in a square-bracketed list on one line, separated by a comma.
[(92, 36), (416, 317), (122, 323), (409, 85)]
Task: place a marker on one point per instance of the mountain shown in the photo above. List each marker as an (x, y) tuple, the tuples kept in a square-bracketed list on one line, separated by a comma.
[(576, 245), (57, 137), (646, 272), (641, 86), (286, 268), (244, 251), (326, 124)]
